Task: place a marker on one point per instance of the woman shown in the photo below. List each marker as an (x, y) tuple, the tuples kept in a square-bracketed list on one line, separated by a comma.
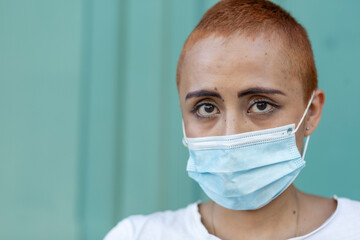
[(248, 92)]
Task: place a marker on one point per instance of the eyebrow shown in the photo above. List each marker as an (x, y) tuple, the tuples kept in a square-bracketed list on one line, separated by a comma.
[(202, 93), (258, 90)]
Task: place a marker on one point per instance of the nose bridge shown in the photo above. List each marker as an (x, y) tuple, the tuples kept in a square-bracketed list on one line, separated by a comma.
[(234, 123)]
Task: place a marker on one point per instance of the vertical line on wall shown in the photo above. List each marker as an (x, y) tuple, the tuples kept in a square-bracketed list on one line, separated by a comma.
[(84, 115), (119, 177), (165, 92)]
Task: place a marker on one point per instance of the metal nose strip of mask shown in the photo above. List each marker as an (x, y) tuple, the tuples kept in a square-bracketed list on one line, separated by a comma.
[(242, 139)]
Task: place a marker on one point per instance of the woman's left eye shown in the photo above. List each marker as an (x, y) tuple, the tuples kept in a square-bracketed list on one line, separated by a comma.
[(261, 107)]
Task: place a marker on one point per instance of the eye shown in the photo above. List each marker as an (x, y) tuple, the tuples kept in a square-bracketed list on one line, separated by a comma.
[(261, 107), (207, 110)]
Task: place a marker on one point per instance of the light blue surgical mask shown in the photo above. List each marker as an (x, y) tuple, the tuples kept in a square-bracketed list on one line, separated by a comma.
[(246, 171)]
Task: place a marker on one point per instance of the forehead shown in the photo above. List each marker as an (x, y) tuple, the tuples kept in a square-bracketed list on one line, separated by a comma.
[(235, 48), (241, 60)]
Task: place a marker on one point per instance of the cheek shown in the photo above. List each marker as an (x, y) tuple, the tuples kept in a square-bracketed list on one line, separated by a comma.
[(198, 129)]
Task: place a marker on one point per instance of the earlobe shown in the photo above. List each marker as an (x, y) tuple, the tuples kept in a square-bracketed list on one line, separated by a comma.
[(315, 111)]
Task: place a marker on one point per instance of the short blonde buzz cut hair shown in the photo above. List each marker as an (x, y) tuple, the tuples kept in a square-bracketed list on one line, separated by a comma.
[(252, 18)]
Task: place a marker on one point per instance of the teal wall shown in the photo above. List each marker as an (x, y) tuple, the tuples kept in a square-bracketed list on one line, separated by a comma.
[(333, 164), (90, 127), (40, 63)]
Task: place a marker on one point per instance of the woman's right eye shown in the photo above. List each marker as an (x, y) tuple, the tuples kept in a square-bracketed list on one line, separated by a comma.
[(207, 110)]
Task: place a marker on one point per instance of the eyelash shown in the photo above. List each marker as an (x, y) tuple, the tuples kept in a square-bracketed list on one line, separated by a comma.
[(265, 100), (200, 104), (250, 105)]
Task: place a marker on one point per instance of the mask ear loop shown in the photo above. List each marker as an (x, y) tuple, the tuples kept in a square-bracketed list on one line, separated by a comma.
[(301, 120), (184, 134), (305, 147), (306, 109)]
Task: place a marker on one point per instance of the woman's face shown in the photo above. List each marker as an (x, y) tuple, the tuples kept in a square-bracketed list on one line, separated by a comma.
[(239, 85)]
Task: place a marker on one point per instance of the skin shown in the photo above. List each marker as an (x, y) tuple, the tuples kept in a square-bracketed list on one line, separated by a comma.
[(214, 73)]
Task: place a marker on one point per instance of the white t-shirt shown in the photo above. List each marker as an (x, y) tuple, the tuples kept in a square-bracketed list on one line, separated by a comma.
[(186, 224)]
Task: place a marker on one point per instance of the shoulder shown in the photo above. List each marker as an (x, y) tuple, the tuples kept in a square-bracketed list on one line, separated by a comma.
[(159, 225), (344, 223), (349, 209)]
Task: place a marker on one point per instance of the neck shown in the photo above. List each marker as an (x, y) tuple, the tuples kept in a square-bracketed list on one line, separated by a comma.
[(270, 221)]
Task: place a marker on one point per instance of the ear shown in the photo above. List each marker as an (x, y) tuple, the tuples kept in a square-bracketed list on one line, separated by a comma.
[(315, 111)]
